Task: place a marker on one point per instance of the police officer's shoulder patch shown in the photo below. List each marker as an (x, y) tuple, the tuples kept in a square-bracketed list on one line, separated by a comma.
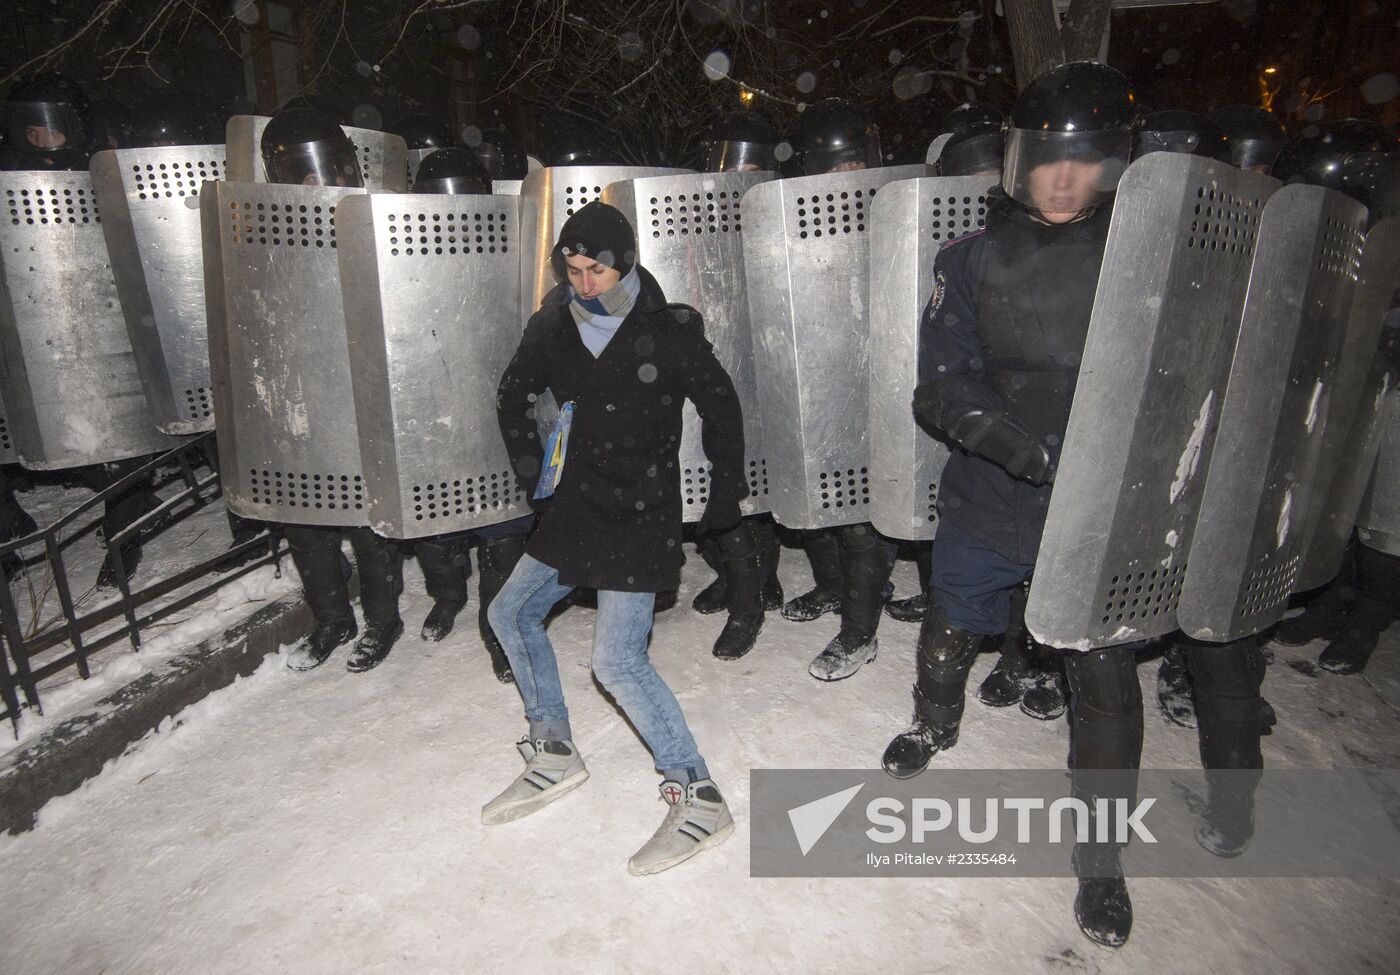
[(940, 290)]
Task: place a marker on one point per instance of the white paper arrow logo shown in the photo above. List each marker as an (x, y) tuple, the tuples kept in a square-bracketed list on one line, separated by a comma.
[(811, 820)]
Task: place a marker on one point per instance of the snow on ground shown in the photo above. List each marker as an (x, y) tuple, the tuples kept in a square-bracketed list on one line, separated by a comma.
[(330, 823), (178, 545)]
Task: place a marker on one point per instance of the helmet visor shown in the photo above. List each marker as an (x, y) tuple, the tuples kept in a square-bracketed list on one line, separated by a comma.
[(977, 156), (44, 126), (1064, 172), (862, 153), (455, 185), (321, 163), (1254, 153), (739, 157)]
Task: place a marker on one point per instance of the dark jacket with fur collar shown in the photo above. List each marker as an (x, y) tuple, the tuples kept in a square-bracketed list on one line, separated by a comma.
[(615, 519)]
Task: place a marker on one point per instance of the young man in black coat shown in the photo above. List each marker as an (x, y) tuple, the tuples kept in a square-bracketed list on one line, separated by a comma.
[(620, 362)]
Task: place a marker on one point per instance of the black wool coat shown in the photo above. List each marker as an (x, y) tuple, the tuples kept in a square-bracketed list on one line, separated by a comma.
[(614, 521)]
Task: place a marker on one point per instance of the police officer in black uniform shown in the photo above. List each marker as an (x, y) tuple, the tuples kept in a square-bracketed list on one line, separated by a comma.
[(303, 147), (48, 127), (1000, 346), (745, 558), (851, 565), (446, 559)]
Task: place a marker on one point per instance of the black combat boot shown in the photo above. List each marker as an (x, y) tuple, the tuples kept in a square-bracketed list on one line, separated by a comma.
[(714, 597), (770, 549), (824, 554), (913, 608), (446, 565), (324, 571), (1174, 688), (1375, 607), (743, 572), (371, 649), (498, 557), (945, 656), (866, 561), (1231, 715)]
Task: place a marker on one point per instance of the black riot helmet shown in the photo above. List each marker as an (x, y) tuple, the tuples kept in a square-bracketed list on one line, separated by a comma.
[(972, 115), (176, 118), (1353, 156), (498, 152), (421, 132), (740, 141), (303, 147), (451, 170), (1079, 118), (1256, 136), (328, 107), (834, 136), (47, 117), (975, 151), (1189, 133), (111, 125)]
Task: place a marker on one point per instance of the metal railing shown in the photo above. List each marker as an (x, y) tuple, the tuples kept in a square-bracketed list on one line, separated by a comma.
[(134, 607)]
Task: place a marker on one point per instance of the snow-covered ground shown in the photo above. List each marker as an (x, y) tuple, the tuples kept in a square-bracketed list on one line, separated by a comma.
[(329, 823)]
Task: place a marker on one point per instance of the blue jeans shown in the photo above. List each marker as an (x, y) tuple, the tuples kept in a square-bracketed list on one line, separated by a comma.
[(620, 663)]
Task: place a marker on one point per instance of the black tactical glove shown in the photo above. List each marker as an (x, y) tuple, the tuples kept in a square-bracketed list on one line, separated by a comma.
[(1004, 442)]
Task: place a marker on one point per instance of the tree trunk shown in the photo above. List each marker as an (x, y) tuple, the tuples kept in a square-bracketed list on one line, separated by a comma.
[(1083, 27), (1035, 38)]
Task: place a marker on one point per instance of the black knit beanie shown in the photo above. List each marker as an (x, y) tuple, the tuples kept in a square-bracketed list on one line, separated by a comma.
[(600, 232)]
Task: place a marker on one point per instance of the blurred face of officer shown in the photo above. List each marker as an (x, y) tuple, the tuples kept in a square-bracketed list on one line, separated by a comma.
[(848, 167), (1062, 190), (588, 278), (41, 137)]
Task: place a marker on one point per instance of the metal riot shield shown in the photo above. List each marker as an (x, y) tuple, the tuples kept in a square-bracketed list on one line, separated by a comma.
[(690, 237), (150, 203), (548, 197), (1364, 379), (506, 187), (1263, 484), (383, 156), (1162, 333), (7, 445), (910, 220), (806, 265), (432, 294), (72, 390), (1378, 524), (289, 448), (412, 159)]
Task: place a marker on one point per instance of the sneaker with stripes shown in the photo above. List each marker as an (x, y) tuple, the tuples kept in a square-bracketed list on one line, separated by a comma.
[(552, 768), (697, 817)]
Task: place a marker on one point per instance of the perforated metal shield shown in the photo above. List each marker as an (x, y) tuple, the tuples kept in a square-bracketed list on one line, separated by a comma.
[(1263, 481), (432, 311), (383, 156), (7, 445), (910, 220), (806, 261), (506, 187), (1378, 524), (71, 386), (1122, 516), (413, 158), (690, 237), (289, 447), (1359, 394), (548, 197), (150, 205)]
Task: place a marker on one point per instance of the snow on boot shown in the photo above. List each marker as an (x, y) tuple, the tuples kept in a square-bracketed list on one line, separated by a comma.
[(772, 594), (811, 604), (1101, 905), (500, 663), (552, 769), (697, 817), (910, 610), (1174, 690), (712, 599), (440, 619), (1008, 682), (1227, 823), (737, 638), (1320, 619), (843, 656), (1046, 698), (909, 753), (371, 649), (313, 649)]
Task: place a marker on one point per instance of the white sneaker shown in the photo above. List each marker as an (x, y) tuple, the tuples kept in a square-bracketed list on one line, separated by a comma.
[(697, 818), (552, 768)]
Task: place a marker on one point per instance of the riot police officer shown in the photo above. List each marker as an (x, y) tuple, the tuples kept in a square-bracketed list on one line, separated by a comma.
[(445, 559), (48, 127), (303, 147), (1256, 136), (1174, 130), (1000, 346), (851, 565), (745, 559)]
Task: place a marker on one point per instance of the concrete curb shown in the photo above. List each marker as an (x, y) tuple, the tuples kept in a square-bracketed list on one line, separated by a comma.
[(72, 752)]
